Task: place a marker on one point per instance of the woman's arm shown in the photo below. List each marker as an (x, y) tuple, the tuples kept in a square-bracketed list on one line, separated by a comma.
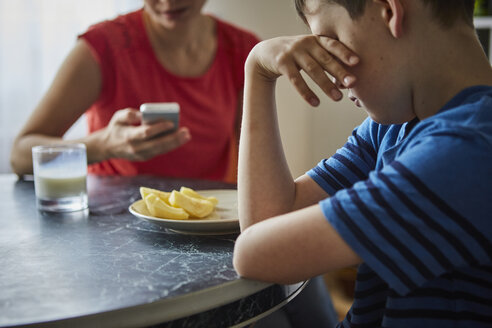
[(75, 88)]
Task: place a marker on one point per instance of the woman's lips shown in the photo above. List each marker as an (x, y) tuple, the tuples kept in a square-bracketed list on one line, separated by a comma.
[(173, 13)]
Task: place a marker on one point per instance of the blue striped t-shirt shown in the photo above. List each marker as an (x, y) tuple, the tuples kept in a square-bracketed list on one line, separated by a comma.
[(414, 201)]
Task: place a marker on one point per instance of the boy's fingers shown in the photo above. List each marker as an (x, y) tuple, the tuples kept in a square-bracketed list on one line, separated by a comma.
[(333, 66), (301, 86), (338, 84), (317, 73), (339, 50)]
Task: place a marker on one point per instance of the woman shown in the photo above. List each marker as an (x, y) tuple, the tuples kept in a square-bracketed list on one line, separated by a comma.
[(169, 51)]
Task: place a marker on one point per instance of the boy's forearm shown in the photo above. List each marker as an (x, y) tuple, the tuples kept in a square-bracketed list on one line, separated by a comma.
[(265, 185)]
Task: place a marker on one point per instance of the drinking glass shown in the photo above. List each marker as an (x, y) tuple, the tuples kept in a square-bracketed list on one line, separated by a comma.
[(60, 177)]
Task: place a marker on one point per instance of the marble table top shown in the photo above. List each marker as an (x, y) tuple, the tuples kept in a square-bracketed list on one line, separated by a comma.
[(104, 267)]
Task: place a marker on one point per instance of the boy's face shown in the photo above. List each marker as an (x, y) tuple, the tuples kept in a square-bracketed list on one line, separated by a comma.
[(381, 86)]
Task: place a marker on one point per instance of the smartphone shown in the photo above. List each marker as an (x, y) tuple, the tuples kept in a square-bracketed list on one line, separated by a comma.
[(152, 112)]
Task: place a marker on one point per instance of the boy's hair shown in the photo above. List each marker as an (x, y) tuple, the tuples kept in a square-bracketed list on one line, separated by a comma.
[(447, 12)]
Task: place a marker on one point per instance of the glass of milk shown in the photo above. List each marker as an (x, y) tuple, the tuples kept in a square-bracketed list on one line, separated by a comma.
[(60, 177)]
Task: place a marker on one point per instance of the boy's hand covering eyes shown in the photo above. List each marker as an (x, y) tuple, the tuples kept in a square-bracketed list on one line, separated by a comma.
[(313, 54)]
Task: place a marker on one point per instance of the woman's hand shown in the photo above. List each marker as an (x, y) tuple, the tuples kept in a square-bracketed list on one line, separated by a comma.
[(315, 55), (126, 137)]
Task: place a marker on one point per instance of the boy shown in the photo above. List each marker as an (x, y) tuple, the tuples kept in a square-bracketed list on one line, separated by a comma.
[(407, 197)]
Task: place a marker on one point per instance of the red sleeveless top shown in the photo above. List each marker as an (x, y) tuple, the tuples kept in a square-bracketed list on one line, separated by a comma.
[(132, 75)]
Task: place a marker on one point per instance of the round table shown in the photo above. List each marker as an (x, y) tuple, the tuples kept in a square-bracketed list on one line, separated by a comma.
[(104, 267)]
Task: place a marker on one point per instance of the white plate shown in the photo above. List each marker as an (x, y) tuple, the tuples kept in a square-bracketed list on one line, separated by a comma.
[(223, 220)]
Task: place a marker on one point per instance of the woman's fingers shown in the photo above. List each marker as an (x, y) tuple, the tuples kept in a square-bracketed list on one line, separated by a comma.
[(146, 149), (127, 116), (125, 137), (149, 131), (169, 142)]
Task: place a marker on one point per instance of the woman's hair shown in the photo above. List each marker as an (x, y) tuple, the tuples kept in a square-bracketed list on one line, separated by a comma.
[(446, 12)]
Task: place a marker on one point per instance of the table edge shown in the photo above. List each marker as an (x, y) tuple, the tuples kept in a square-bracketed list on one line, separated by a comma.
[(164, 310)]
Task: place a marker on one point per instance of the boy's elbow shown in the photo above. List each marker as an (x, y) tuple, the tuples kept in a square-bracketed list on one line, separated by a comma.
[(246, 259), (252, 261), (241, 259)]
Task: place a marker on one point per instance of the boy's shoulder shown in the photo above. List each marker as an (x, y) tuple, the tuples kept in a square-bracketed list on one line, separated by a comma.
[(465, 120), (469, 112)]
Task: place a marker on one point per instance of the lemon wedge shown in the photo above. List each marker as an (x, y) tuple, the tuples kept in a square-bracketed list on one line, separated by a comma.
[(144, 191), (157, 207), (196, 207), (192, 193)]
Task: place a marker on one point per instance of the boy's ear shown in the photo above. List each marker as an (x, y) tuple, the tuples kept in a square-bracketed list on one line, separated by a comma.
[(392, 12)]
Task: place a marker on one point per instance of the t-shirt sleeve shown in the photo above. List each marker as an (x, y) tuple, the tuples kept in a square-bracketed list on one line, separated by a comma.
[(424, 214), (352, 162), (96, 37), (96, 40)]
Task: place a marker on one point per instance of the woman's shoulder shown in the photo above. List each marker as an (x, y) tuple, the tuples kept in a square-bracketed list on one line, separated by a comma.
[(120, 21), (122, 30)]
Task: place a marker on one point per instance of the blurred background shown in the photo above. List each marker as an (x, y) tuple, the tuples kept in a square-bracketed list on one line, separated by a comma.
[(36, 35)]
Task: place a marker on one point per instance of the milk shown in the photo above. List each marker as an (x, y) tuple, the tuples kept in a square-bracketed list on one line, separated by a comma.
[(52, 187), (60, 177)]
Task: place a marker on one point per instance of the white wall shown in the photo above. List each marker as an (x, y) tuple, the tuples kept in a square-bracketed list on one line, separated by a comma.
[(28, 63), (35, 37), (331, 124), (270, 19)]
